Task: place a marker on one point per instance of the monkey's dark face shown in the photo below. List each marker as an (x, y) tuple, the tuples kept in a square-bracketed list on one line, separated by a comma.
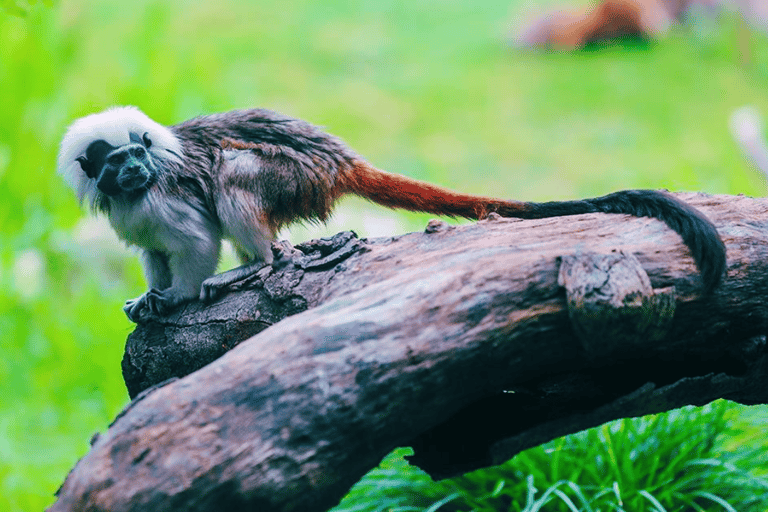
[(122, 169)]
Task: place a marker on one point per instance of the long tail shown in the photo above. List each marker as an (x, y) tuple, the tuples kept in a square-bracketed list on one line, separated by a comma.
[(698, 232), (397, 191)]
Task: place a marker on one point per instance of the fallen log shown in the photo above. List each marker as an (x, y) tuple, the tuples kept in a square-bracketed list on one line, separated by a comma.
[(468, 343)]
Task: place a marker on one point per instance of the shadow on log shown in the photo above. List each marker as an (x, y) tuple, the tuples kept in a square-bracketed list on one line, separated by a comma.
[(468, 343)]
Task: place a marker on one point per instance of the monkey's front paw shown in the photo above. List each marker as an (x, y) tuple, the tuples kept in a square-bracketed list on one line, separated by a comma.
[(149, 306), (139, 310), (214, 287)]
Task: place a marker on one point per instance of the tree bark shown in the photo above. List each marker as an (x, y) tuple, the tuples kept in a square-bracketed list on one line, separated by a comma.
[(468, 343)]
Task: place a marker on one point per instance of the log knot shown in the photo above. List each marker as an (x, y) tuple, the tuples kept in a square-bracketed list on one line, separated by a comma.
[(436, 226), (325, 253), (611, 304)]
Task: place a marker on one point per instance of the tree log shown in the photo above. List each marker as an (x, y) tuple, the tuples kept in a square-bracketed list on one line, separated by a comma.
[(468, 343)]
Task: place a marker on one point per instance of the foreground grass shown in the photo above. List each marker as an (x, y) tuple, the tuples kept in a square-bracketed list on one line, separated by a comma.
[(663, 462), (425, 88)]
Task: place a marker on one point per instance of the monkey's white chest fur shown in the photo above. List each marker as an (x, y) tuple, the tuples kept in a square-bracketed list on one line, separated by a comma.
[(157, 222)]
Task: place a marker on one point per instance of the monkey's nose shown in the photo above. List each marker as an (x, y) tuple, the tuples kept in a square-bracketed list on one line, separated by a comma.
[(133, 177)]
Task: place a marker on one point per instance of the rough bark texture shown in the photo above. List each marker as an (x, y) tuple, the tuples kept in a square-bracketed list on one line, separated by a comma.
[(468, 343), (198, 333)]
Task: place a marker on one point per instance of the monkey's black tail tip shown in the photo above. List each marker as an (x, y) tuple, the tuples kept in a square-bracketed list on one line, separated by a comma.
[(698, 232)]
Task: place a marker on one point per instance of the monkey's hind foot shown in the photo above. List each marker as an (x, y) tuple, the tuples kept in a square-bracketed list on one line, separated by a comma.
[(216, 286), (151, 306)]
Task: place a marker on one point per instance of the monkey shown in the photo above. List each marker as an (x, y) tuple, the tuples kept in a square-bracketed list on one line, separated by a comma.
[(176, 191)]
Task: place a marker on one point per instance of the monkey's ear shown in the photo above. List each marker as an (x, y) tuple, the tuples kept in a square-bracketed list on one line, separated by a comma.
[(147, 141), (87, 166)]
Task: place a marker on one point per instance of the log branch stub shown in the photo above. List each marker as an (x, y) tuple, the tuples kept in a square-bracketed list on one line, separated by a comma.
[(611, 302)]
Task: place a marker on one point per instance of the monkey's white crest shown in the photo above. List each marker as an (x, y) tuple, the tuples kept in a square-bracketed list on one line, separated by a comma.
[(113, 126)]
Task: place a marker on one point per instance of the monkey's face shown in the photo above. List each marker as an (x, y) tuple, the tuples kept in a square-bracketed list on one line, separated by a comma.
[(125, 169)]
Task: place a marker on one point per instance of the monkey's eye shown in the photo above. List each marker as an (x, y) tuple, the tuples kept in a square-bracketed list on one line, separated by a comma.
[(147, 141)]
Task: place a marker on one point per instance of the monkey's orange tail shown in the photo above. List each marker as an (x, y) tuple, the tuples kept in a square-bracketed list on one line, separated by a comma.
[(398, 191)]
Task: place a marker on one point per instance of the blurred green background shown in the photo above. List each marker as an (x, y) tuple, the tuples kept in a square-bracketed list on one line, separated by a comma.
[(427, 88)]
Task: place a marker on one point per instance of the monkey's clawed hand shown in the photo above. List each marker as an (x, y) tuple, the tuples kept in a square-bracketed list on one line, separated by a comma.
[(150, 306), (158, 303)]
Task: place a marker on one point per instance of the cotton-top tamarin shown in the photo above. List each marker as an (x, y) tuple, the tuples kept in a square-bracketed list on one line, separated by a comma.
[(177, 191)]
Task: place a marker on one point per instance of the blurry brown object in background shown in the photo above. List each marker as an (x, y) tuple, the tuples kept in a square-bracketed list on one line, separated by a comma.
[(571, 29)]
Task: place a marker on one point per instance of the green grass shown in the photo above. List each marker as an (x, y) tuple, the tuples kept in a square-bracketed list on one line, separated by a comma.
[(426, 88), (664, 462)]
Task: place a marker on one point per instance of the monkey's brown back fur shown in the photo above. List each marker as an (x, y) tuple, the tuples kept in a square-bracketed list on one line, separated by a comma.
[(385, 188)]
